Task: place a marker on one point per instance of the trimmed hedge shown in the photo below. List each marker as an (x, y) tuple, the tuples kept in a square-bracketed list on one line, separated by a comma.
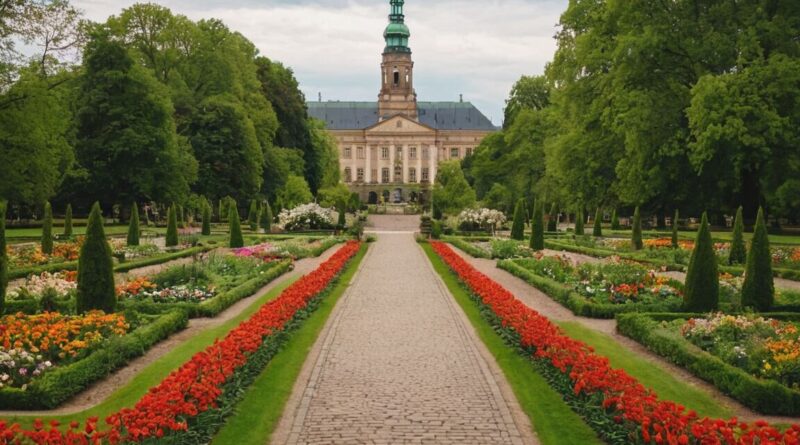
[(578, 304), (467, 247), (764, 396), (61, 384)]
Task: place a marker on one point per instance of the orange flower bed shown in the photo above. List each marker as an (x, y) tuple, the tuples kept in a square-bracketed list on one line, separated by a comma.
[(57, 336), (135, 286), (666, 243)]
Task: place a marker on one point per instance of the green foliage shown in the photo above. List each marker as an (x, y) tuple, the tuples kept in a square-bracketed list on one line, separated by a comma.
[(528, 93), (451, 192), (172, 227), (295, 193), (181, 216), (68, 221), (738, 253), (636, 232), (47, 229), (615, 221), (95, 268), (537, 226), (702, 278), (758, 290), (342, 211), (552, 218), (579, 220), (133, 226), (597, 230), (235, 239), (266, 220), (675, 229), (3, 257), (253, 215), (206, 220), (518, 226)]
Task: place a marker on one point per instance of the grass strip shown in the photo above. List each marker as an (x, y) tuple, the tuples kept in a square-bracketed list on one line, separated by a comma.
[(157, 371), (553, 420), (258, 414), (667, 386)]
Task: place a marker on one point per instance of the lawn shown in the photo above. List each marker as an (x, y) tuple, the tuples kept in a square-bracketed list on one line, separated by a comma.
[(719, 236), (258, 414), (553, 420)]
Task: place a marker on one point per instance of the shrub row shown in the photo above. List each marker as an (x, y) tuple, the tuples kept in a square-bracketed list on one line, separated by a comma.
[(60, 384), (578, 304), (467, 247), (762, 395)]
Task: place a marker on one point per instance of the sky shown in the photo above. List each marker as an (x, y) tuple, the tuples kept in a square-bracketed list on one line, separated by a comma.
[(477, 48)]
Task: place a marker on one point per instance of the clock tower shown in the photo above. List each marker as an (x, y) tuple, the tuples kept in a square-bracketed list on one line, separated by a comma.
[(397, 94)]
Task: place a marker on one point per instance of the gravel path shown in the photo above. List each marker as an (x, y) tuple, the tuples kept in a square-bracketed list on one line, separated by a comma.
[(399, 363), (101, 390), (548, 307)]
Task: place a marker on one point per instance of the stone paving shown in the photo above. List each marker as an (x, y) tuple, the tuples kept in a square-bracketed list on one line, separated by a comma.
[(399, 364)]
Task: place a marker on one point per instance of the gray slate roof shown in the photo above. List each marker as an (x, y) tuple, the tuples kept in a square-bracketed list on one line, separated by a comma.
[(439, 115)]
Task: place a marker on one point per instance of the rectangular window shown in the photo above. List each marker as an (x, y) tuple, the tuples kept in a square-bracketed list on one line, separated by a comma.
[(348, 175), (469, 151), (384, 152), (399, 153), (454, 153), (360, 152), (360, 175), (412, 152), (426, 153), (412, 175), (426, 175), (385, 175), (348, 153), (374, 175)]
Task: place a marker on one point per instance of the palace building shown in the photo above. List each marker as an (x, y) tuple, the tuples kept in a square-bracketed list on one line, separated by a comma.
[(391, 148)]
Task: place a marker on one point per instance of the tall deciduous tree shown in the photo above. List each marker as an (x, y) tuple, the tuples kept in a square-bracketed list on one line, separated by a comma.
[(758, 290), (451, 192), (702, 280), (96, 290)]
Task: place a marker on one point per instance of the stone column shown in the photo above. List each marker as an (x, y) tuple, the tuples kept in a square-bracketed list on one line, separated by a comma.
[(368, 172), (405, 164), (419, 164), (392, 154)]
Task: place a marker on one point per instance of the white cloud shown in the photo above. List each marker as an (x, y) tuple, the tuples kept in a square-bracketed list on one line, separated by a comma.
[(475, 47)]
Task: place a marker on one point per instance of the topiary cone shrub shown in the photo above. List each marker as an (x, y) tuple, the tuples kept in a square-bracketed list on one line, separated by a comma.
[(597, 230), (702, 280), (579, 222), (758, 290), (342, 216), (206, 220), (552, 219), (266, 221), (95, 268), (675, 229), (518, 226), (3, 257), (615, 221), (537, 227), (172, 227), (133, 226), (47, 229), (236, 240), (68, 221), (738, 253), (252, 216), (636, 235)]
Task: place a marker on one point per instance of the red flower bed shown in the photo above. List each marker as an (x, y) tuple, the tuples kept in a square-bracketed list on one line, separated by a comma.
[(625, 400), (196, 386)]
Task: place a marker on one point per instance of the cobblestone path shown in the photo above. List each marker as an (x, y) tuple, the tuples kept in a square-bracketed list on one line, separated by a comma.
[(399, 363)]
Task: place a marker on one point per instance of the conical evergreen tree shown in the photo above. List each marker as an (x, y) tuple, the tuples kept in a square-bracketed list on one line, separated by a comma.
[(236, 239), (615, 221), (133, 226), (579, 222), (252, 215), (206, 220), (95, 268), (266, 221), (675, 229), (3, 257), (758, 291), (597, 230), (342, 215), (68, 222), (738, 253), (552, 219), (537, 226), (181, 217), (702, 279), (172, 227), (518, 225), (47, 229), (223, 212), (636, 235)]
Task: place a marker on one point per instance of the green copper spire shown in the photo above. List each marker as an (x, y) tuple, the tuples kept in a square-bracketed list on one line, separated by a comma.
[(397, 32)]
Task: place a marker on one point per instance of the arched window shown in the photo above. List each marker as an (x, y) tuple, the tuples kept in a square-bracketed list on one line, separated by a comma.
[(396, 77)]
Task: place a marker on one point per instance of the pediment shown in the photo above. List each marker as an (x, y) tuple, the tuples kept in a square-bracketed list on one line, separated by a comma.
[(399, 124)]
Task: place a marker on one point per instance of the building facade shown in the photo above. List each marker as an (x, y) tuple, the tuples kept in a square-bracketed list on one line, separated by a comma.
[(391, 148)]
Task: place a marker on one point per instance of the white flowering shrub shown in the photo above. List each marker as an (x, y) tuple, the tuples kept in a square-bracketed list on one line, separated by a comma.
[(481, 218), (306, 217)]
